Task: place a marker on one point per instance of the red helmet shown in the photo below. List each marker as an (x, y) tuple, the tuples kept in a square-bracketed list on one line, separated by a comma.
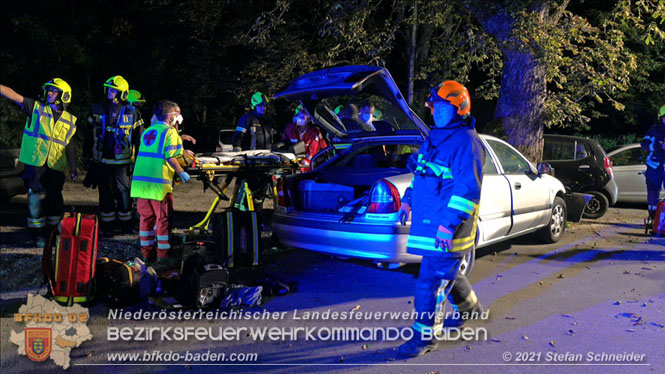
[(453, 93)]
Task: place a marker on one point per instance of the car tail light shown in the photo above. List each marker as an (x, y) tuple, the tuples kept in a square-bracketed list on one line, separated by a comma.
[(608, 166), (283, 195), (384, 198)]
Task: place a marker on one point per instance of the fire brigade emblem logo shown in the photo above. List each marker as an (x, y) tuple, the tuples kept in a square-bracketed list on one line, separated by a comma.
[(149, 137), (38, 343)]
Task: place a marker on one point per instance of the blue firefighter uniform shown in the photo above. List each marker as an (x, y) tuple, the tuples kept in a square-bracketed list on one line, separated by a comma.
[(445, 190), (653, 143)]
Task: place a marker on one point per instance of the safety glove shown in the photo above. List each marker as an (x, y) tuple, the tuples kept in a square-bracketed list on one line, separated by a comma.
[(444, 239), (403, 213)]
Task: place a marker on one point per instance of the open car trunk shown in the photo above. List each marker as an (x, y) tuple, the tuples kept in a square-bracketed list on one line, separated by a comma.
[(350, 177)]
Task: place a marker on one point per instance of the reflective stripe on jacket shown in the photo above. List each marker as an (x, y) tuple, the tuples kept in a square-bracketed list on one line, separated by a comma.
[(653, 143), (445, 189), (45, 140), (122, 131), (153, 174)]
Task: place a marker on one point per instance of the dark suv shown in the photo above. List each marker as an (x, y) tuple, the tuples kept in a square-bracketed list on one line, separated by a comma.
[(582, 166)]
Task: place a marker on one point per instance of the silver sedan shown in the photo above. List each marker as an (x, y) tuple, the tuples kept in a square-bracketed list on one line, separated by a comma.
[(629, 168)]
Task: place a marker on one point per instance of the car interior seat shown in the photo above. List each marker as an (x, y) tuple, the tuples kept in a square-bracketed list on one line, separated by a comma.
[(364, 161)]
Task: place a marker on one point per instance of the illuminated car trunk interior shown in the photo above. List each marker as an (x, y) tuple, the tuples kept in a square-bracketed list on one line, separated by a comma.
[(349, 178)]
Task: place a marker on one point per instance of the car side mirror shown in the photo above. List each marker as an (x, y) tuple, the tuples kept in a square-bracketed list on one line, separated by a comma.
[(545, 168)]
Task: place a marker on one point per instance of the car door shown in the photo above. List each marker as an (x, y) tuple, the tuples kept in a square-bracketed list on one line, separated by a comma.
[(629, 171), (495, 214), (572, 161), (530, 193)]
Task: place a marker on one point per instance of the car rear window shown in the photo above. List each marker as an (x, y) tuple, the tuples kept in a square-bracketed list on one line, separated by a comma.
[(632, 156), (388, 117)]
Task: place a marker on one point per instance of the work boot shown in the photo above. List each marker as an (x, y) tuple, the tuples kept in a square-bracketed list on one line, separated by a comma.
[(107, 230), (458, 320), (163, 264), (146, 260), (128, 229), (416, 346)]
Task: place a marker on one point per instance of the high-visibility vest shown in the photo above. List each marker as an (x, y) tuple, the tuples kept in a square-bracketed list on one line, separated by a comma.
[(122, 132), (152, 173), (44, 140)]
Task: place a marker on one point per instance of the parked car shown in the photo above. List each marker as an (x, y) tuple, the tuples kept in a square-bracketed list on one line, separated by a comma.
[(11, 172), (629, 168), (347, 206), (582, 166), (224, 140)]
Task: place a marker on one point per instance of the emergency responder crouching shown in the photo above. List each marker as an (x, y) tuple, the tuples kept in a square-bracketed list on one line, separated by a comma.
[(109, 150), (444, 194), (152, 185), (45, 145)]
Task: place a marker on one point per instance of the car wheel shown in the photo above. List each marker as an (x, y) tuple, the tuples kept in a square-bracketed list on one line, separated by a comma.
[(467, 262), (557, 225), (597, 206)]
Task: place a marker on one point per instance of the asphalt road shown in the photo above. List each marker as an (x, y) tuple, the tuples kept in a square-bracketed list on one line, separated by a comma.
[(552, 309)]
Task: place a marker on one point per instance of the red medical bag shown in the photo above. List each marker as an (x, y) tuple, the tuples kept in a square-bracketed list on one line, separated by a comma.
[(75, 258)]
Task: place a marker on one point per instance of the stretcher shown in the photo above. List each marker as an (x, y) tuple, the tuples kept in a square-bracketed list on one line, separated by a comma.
[(254, 171)]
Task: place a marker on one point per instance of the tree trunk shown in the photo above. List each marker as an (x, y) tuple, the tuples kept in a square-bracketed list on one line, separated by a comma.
[(521, 103), (412, 53)]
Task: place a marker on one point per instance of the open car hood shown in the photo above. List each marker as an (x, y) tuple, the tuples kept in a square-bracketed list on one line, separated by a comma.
[(311, 88)]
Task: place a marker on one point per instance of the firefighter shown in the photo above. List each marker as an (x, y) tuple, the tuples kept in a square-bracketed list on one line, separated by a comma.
[(109, 150), (135, 98), (152, 185), (654, 143), (137, 101), (46, 143), (444, 196), (252, 131), (302, 129)]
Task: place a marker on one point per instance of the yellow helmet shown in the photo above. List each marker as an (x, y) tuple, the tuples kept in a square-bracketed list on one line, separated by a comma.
[(62, 86), (120, 84), (661, 112), (135, 97), (257, 99)]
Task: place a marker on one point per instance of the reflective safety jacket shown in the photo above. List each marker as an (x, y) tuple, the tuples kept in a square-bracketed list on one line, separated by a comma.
[(152, 173), (112, 141), (445, 189), (252, 132), (653, 143), (44, 140)]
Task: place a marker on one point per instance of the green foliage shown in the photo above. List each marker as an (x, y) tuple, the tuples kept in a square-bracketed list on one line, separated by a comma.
[(210, 56)]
